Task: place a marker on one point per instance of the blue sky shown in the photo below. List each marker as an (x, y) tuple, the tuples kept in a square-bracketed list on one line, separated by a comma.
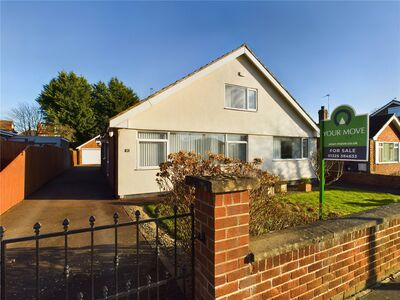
[(348, 49)]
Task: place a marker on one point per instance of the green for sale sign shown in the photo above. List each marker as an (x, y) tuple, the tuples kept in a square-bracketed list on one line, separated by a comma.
[(345, 135)]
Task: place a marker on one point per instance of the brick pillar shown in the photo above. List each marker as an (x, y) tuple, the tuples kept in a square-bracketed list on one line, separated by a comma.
[(222, 223)]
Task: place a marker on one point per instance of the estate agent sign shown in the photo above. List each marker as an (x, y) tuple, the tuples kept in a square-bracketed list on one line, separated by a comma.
[(345, 135)]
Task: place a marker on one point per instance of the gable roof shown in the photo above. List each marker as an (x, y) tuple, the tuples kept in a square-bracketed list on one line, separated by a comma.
[(394, 101), (377, 124), (80, 146), (184, 81)]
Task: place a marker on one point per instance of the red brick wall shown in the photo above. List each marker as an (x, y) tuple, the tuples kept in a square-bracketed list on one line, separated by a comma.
[(381, 181), (390, 134), (337, 267), (329, 259)]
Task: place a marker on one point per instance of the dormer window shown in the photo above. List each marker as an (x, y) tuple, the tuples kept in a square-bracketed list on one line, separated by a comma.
[(242, 98)]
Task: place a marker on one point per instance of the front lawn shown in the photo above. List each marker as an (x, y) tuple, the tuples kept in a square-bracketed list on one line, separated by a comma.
[(344, 201)]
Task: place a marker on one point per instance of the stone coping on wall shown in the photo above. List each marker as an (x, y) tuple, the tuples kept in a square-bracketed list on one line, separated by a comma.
[(283, 241), (223, 183)]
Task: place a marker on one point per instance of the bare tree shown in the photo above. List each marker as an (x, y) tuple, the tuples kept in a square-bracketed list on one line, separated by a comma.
[(27, 118), (333, 168)]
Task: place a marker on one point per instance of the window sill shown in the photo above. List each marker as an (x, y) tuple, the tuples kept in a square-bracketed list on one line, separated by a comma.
[(241, 109), (147, 168), (387, 163)]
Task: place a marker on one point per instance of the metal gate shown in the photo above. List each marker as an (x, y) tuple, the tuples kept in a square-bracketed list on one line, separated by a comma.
[(162, 284)]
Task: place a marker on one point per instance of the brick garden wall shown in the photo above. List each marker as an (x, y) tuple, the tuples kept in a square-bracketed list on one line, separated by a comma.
[(326, 260), (336, 264), (381, 181)]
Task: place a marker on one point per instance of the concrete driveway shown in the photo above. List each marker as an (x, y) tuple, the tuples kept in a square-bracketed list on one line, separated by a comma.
[(76, 194)]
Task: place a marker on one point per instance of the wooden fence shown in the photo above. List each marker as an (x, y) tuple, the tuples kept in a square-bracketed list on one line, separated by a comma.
[(9, 151), (33, 167)]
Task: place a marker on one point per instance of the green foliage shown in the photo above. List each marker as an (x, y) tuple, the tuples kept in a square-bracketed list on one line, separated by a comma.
[(102, 105), (344, 201), (111, 99), (67, 100), (306, 180), (268, 212)]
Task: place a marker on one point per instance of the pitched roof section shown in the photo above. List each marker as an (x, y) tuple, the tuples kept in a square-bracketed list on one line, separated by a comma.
[(164, 92), (394, 101), (378, 123), (80, 146)]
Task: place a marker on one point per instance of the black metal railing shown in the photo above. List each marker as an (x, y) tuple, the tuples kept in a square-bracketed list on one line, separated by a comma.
[(171, 280)]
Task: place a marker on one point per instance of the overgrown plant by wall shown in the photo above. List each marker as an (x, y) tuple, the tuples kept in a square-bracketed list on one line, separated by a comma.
[(268, 211)]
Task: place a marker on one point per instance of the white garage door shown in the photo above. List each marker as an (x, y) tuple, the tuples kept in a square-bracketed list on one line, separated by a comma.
[(91, 156)]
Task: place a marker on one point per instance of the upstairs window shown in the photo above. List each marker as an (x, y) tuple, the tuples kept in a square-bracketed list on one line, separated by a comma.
[(238, 97)]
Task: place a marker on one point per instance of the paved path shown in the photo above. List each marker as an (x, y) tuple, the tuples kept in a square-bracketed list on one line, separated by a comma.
[(76, 194)]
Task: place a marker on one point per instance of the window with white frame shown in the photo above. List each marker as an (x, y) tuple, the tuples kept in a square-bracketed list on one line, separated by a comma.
[(238, 97), (237, 146), (200, 143), (152, 149), (153, 146), (387, 152), (290, 148)]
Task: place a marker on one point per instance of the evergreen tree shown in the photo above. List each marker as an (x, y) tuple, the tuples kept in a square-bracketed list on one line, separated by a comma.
[(67, 100), (102, 105), (111, 99)]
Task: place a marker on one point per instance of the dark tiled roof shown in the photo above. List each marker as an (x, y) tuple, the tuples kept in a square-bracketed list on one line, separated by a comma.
[(376, 123)]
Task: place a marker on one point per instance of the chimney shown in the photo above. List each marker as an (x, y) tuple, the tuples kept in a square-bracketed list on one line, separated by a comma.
[(322, 114)]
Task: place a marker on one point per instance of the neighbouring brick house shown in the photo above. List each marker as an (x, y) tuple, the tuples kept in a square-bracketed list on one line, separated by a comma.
[(384, 145), (393, 107), (384, 142)]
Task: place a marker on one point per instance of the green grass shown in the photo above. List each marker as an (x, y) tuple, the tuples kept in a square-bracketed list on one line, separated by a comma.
[(168, 225), (344, 201)]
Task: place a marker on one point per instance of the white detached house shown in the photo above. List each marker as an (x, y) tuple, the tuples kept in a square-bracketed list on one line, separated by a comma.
[(233, 105)]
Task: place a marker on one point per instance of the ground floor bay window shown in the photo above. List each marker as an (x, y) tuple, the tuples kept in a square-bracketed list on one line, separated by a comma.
[(387, 152), (154, 146)]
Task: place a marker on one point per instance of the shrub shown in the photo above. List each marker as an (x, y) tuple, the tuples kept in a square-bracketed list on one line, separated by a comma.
[(267, 212)]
